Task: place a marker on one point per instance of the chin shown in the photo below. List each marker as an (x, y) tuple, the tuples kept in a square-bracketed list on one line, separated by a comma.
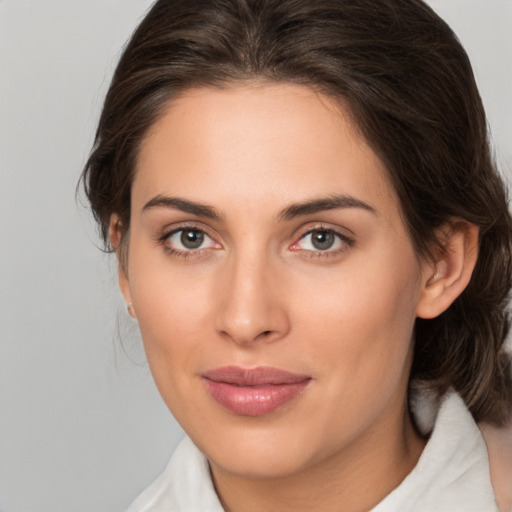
[(258, 464), (270, 451)]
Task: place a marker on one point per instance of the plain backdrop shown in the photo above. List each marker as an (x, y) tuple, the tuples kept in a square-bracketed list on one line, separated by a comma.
[(82, 428)]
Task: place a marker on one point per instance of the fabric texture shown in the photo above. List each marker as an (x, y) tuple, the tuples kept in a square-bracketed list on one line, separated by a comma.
[(452, 474)]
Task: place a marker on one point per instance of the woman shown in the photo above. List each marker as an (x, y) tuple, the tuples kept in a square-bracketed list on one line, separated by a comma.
[(316, 245)]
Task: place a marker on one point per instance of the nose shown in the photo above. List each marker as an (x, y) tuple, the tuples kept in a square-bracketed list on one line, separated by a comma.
[(252, 306)]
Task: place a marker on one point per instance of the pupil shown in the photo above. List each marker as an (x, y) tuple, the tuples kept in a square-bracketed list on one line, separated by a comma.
[(322, 240), (192, 239)]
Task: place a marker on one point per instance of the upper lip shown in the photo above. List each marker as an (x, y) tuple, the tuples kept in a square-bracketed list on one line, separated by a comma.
[(262, 375)]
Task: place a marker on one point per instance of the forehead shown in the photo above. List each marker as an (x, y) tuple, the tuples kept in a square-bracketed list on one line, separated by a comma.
[(256, 144)]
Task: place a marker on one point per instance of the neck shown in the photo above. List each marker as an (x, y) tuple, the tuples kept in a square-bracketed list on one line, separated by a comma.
[(354, 479)]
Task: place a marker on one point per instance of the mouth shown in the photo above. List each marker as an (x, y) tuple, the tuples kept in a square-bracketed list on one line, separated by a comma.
[(255, 391)]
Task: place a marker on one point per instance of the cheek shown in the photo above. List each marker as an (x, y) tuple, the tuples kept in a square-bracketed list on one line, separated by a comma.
[(362, 322), (173, 309)]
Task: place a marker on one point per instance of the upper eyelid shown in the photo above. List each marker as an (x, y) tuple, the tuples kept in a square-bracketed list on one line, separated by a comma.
[(170, 229), (330, 230), (343, 232), (343, 238)]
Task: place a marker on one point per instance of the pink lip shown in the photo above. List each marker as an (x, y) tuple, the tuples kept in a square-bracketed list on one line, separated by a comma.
[(255, 391)]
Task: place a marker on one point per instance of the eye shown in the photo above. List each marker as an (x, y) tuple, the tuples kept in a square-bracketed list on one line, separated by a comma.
[(322, 240), (189, 239)]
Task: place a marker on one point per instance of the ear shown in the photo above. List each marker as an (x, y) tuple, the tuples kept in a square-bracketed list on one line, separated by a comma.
[(446, 278), (116, 240)]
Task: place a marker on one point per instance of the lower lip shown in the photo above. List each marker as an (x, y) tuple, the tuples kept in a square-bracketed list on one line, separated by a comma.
[(254, 400)]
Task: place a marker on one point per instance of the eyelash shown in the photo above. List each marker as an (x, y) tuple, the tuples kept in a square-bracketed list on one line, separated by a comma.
[(346, 242), (163, 240)]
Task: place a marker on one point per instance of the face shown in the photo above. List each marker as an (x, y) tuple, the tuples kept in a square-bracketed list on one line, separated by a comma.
[(272, 278)]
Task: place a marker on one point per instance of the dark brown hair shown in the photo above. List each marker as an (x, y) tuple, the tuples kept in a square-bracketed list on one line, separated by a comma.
[(410, 88)]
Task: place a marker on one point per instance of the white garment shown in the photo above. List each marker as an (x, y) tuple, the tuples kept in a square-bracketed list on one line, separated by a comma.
[(452, 474)]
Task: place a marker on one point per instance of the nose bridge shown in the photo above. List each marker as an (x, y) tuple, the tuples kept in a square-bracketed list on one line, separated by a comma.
[(252, 307)]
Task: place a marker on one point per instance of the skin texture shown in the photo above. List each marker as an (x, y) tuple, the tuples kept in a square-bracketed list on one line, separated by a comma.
[(499, 446), (257, 292)]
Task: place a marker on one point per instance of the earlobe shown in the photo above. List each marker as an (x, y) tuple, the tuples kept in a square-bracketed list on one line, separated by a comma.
[(115, 234), (447, 277), (124, 286), (131, 311)]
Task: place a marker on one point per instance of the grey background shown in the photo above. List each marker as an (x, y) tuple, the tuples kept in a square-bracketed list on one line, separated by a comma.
[(82, 428)]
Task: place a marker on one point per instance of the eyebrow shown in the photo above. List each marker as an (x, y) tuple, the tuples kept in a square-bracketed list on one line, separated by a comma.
[(333, 202), (295, 210), (198, 209)]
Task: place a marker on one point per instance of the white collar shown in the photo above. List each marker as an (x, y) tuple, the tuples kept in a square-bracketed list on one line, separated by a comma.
[(184, 486), (452, 474)]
